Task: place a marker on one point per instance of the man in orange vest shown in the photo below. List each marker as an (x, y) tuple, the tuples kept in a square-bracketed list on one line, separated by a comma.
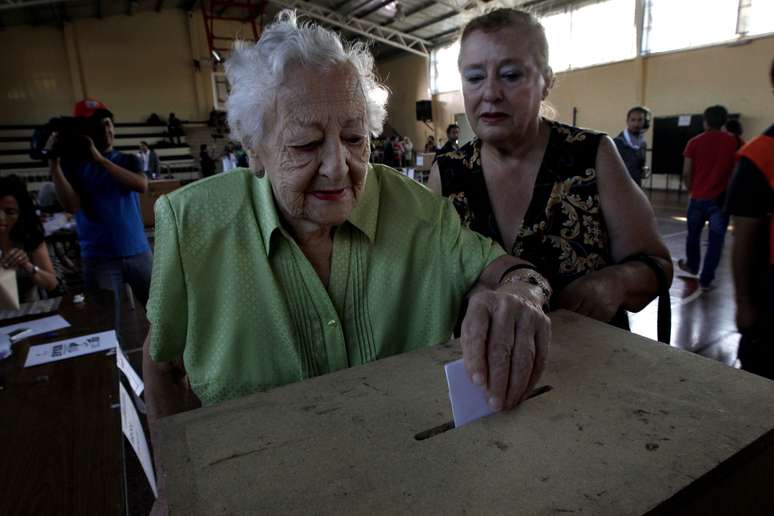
[(751, 202)]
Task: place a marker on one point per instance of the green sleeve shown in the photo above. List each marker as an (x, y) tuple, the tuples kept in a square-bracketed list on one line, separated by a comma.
[(469, 251), (167, 304)]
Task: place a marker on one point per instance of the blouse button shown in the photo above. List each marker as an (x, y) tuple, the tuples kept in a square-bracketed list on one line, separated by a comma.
[(332, 322)]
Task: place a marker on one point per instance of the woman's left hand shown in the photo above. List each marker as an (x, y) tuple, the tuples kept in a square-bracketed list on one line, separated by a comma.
[(16, 259), (505, 338), (598, 295)]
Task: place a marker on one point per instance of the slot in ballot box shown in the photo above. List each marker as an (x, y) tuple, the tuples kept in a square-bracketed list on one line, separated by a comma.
[(629, 426)]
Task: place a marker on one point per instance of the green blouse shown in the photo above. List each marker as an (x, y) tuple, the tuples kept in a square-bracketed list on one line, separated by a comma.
[(233, 294)]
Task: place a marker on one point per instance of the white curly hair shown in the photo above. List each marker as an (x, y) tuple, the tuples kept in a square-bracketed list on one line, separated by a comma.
[(255, 70)]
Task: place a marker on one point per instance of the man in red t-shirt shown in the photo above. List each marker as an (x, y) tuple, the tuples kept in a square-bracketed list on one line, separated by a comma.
[(709, 161)]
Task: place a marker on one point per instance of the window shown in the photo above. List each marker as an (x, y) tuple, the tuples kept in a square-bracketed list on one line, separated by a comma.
[(601, 32), (444, 75), (675, 24), (756, 17)]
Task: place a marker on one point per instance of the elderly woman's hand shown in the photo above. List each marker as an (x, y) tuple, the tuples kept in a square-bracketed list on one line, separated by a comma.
[(598, 295), (505, 337)]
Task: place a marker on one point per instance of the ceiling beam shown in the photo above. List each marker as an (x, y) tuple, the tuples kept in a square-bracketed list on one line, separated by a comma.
[(383, 3), (338, 7), (365, 28), (412, 12), (432, 21)]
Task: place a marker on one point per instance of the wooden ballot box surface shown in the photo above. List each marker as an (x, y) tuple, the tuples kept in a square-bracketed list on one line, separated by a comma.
[(630, 426), (156, 189)]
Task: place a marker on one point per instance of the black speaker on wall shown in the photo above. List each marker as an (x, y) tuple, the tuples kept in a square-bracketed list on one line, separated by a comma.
[(424, 110)]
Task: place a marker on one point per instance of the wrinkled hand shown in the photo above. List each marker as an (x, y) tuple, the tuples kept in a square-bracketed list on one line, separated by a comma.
[(598, 295), (505, 339), (16, 259)]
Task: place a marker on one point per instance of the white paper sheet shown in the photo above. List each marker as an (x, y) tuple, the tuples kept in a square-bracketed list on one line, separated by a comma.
[(39, 326), (468, 400), (684, 121), (77, 346), (130, 424), (134, 379)]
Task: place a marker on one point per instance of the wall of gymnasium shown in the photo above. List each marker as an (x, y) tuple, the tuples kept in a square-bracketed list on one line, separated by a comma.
[(675, 83), (137, 65)]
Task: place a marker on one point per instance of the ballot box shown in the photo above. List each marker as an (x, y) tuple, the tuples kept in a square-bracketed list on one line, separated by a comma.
[(625, 425)]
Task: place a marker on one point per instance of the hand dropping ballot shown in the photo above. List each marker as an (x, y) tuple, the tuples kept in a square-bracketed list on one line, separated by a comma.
[(468, 400)]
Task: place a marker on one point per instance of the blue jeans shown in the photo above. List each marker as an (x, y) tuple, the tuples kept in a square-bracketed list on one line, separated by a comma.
[(699, 212), (113, 273)]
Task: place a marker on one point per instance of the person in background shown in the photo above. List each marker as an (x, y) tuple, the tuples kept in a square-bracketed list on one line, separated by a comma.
[(103, 193), (452, 140), (388, 153), (21, 241), (430, 145), (175, 129), (149, 160), (206, 162), (734, 128), (228, 158), (554, 195), (751, 202), (408, 152), (242, 160), (631, 142), (707, 165)]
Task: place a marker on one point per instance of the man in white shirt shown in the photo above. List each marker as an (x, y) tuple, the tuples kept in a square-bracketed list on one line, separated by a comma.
[(149, 161)]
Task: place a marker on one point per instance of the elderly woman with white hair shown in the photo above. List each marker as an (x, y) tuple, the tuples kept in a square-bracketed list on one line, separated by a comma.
[(316, 260)]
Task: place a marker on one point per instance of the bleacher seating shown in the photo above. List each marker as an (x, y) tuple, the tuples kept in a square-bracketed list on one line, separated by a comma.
[(177, 161)]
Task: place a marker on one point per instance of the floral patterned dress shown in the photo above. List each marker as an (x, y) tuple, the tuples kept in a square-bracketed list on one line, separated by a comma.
[(564, 232)]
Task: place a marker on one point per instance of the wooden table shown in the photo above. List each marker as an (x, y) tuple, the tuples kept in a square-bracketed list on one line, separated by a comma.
[(630, 426), (60, 434)]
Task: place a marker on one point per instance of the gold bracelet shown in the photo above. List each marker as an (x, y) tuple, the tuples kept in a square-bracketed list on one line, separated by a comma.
[(531, 277)]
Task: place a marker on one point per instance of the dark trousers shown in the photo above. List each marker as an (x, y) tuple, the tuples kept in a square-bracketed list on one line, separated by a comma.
[(113, 273), (699, 213)]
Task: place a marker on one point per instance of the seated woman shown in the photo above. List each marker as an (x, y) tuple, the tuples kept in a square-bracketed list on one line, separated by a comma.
[(322, 261), (21, 241), (554, 195)]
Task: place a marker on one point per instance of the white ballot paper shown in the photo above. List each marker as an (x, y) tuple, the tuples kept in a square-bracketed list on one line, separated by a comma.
[(684, 121), (130, 424), (77, 346), (134, 379), (468, 400), (38, 326)]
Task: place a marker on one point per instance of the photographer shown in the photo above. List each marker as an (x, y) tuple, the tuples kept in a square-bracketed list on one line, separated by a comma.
[(100, 186)]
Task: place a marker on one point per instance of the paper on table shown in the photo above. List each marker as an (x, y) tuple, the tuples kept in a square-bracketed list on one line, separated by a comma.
[(41, 306), (134, 379), (468, 400), (130, 424), (38, 326), (77, 346)]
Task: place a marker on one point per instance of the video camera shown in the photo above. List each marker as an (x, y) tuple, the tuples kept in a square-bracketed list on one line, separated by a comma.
[(71, 146)]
